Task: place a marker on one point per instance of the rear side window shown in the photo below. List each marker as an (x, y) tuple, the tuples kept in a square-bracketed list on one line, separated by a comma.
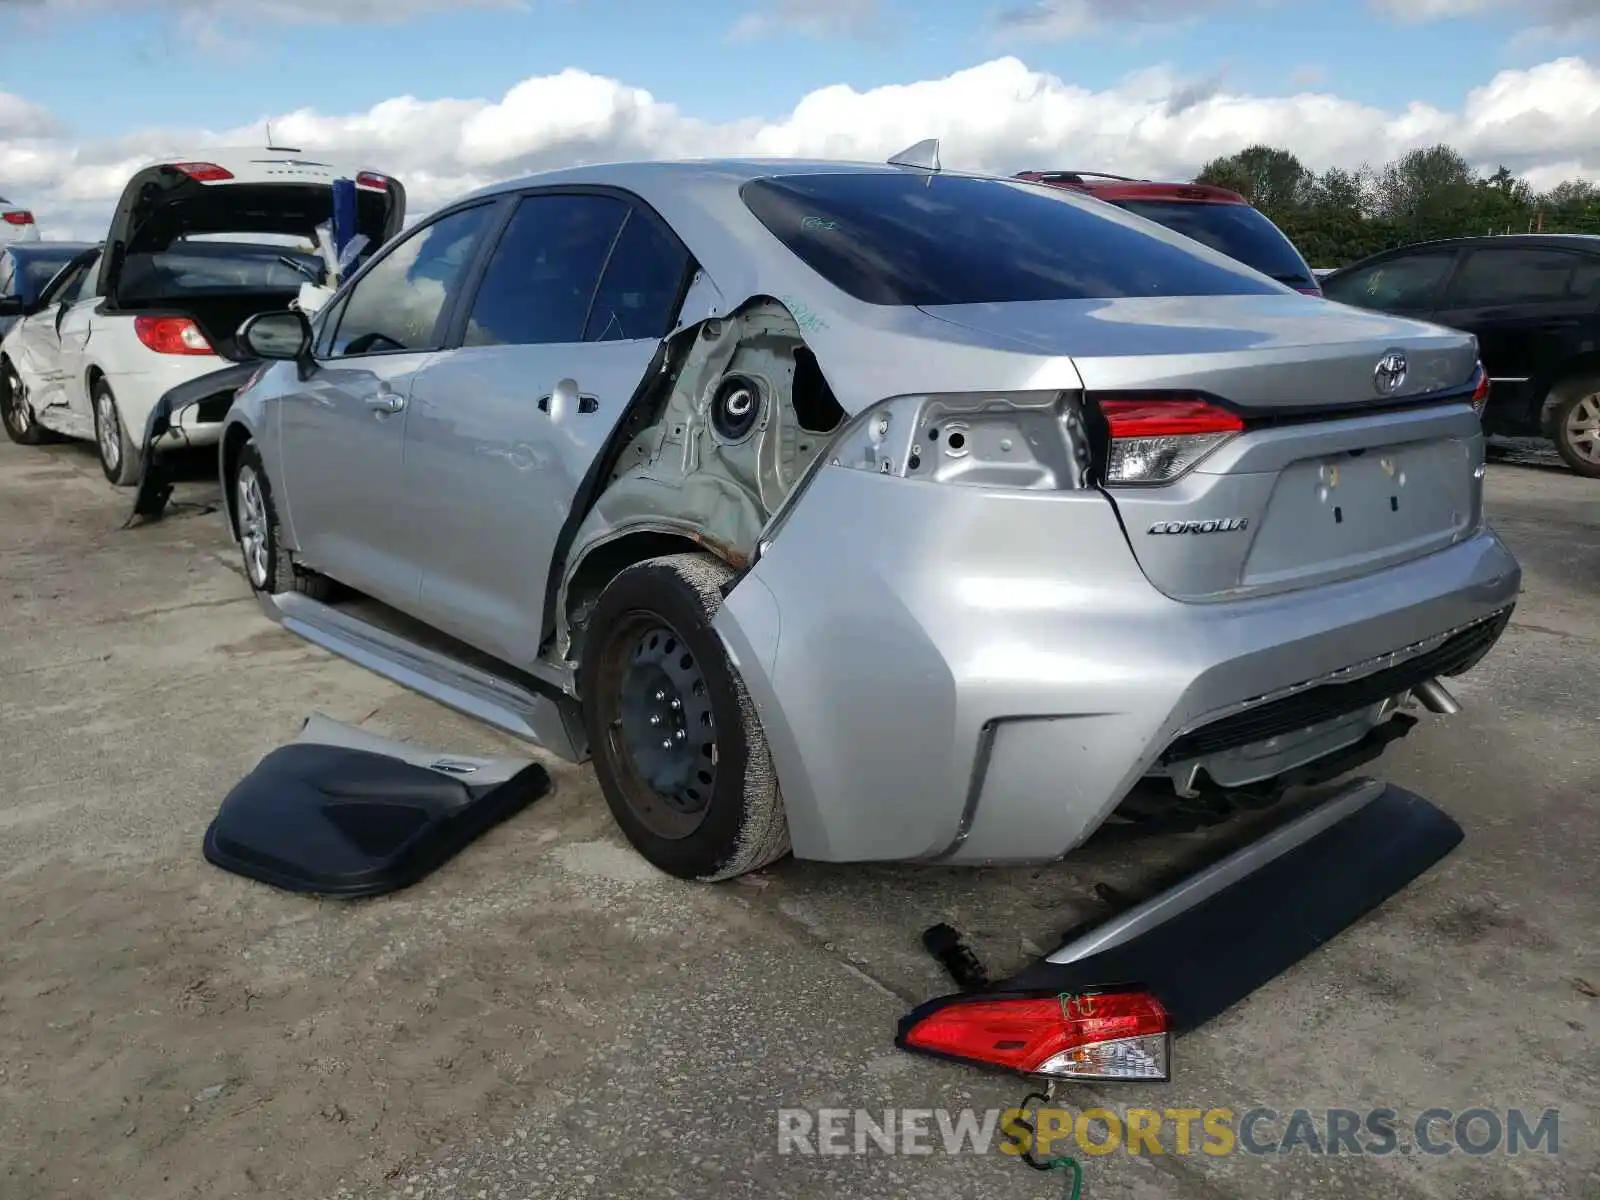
[(542, 276), (1503, 275), (895, 238), (397, 304), (638, 295), (1237, 230), (1405, 282)]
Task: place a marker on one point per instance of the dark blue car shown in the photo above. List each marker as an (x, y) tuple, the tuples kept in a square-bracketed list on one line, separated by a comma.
[(25, 269)]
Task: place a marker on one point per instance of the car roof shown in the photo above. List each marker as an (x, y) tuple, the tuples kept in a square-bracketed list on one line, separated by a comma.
[(45, 247), (1588, 241), (665, 173)]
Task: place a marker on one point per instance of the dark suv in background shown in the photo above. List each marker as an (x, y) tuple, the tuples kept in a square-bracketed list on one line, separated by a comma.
[(1532, 300), (1212, 216)]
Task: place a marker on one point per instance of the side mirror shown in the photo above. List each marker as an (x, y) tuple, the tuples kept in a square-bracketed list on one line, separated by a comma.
[(283, 336)]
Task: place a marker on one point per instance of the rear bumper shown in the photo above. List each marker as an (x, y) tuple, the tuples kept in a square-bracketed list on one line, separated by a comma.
[(948, 673), (187, 416)]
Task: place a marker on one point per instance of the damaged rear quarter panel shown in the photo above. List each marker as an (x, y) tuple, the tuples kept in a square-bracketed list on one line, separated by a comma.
[(741, 414)]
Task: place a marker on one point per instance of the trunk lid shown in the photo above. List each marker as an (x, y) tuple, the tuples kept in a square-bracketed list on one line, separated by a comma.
[(241, 192), (1333, 476)]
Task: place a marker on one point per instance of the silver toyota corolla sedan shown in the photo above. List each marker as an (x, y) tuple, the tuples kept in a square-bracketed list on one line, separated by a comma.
[(883, 512)]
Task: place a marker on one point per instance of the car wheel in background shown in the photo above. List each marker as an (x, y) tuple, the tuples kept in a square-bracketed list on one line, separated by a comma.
[(14, 411), (1576, 426), (118, 458), (676, 742), (268, 564)]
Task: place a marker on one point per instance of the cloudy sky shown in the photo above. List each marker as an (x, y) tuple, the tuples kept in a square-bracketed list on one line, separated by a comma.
[(450, 94)]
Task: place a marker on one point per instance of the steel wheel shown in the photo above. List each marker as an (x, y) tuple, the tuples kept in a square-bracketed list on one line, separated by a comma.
[(252, 509), (18, 417), (108, 431), (661, 726), (1580, 431)]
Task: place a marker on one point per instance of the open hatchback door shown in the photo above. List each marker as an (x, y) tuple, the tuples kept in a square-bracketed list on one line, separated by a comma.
[(183, 218)]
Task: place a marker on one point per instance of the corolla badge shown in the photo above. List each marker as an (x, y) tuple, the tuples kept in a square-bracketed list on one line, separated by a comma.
[(1390, 373), (1216, 525)]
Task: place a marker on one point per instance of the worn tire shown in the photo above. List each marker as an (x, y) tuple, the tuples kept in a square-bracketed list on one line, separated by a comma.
[(123, 468), (274, 569), (21, 426), (1582, 456), (742, 826)]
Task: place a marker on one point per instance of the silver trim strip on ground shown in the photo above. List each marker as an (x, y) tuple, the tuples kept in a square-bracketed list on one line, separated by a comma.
[(478, 694), (1204, 884)]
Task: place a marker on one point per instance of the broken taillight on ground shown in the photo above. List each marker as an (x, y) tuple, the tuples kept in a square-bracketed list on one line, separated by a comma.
[(1096, 1035)]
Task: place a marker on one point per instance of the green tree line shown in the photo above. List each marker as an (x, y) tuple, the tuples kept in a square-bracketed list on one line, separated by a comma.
[(1340, 216)]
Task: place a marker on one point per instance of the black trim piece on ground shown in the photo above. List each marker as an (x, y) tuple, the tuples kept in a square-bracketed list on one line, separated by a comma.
[(155, 480), (336, 821), (1208, 957)]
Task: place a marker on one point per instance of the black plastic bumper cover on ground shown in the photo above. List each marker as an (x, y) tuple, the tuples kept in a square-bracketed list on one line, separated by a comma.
[(155, 479), (336, 821), (1206, 958)]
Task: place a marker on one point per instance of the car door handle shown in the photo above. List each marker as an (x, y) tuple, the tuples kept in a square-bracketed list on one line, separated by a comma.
[(386, 401), (586, 402)]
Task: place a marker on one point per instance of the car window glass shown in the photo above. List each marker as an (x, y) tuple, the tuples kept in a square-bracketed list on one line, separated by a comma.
[(1405, 282), (7, 270), (78, 288), (638, 294), (65, 286), (396, 305), (1237, 230), (1501, 275), (1586, 278), (542, 275), (904, 238)]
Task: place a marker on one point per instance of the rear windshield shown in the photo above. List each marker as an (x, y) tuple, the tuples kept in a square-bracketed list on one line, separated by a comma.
[(190, 268), (890, 237), (1237, 230)]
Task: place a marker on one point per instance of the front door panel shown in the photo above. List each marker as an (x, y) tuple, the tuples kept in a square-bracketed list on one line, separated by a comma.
[(342, 433)]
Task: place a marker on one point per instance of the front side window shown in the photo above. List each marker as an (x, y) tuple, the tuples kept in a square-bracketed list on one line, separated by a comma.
[(541, 278), (7, 272), (1409, 281), (398, 303), (897, 238)]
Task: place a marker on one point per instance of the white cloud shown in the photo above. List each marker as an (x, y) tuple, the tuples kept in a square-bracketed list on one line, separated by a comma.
[(1071, 18), (810, 18), (1543, 122), (308, 12), (1557, 17)]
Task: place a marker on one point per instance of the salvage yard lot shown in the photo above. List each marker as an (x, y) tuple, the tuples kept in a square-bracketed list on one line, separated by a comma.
[(547, 1016)]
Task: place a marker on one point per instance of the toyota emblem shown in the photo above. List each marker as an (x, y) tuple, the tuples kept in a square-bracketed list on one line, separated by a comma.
[(1390, 373)]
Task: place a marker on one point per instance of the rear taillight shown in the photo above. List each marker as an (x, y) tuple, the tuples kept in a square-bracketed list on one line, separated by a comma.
[(1156, 439), (203, 172), (18, 218), (371, 181), (171, 335), (1480, 391), (1104, 1035)]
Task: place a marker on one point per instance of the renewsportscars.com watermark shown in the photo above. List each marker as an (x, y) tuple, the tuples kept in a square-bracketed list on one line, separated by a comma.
[(1055, 1130)]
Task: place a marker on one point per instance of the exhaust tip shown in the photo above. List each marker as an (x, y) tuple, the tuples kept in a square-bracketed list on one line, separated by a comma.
[(1434, 697)]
